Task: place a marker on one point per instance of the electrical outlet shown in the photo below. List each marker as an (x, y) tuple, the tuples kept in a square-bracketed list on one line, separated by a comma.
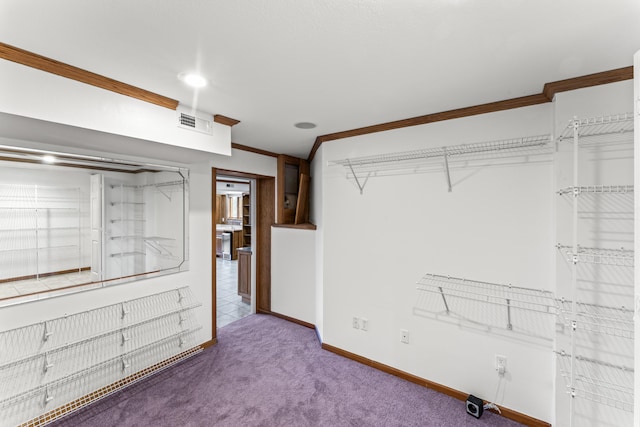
[(404, 336), (364, 324), (501, 364), (355, 322)]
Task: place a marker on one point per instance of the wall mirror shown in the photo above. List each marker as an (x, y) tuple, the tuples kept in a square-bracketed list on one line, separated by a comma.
[(71, 223)]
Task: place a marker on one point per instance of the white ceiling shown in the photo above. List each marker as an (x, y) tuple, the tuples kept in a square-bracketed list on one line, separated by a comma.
[(341, 64)]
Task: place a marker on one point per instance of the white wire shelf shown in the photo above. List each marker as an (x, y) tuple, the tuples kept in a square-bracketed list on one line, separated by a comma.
[(120, 360), (126, 254), (35, 338), (358, 167), (135, 237), (86, 340), (597, 381), (597, 189), (127, 203), (595, 318), (43, 248), (47, 365), (618, 257), (596, 126), (487, 303)]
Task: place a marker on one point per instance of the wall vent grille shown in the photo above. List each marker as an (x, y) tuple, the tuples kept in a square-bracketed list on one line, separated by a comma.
[(190, 122)]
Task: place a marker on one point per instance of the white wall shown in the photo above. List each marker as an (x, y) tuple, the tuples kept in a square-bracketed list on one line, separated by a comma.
[(498, 225), (293, 289), (495, 226), (40, 95)]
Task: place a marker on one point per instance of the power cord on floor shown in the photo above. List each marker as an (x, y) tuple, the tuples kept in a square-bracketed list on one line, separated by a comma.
[(490, 405)]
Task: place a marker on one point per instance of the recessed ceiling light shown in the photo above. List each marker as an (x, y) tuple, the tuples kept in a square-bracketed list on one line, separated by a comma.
[(193, 80), (47, 158), (305, 125)]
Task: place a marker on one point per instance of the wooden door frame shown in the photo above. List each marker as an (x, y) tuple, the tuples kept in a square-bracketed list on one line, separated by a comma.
[(264, 219)]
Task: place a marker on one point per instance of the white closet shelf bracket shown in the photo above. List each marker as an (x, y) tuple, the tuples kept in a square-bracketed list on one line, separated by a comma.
[(360, 186)]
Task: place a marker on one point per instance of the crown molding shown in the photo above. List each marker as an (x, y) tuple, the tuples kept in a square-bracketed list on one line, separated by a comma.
[(223, 120), (253, 150), (20, 56), (605, 77), (549, 91)]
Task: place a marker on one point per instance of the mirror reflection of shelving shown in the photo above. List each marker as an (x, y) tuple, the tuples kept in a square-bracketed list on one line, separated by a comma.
[(139, 237), (55, 220), (125, 228), (43, 230)]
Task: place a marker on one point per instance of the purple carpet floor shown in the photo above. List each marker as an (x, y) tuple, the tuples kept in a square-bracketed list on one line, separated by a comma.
[(266, 371)]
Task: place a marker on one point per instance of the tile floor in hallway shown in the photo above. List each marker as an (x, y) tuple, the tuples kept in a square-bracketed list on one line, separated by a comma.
[(229, 304)]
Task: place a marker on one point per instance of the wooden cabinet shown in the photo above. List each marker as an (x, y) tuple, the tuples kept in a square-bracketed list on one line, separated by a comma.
[(293, 190), (235, 243), (244, 274), (246, 220)]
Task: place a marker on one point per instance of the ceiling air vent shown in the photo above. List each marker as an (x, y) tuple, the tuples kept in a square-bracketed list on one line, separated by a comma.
[(187, 121)]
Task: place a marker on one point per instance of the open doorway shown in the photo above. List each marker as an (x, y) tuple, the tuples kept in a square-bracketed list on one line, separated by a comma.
[(234, 218), (263, 217)]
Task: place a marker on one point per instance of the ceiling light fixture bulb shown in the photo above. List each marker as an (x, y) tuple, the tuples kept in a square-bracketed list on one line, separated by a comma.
[(193, 80)]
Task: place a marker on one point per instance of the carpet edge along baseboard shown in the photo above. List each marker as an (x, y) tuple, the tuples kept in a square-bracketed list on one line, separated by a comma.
[(505, 412)]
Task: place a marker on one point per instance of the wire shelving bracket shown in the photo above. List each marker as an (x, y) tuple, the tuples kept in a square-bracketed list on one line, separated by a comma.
[(362, 168)]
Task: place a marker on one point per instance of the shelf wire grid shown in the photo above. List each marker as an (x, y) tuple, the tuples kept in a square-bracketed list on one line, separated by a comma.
[(527, 145), (62, 361), (616, 257), (45, 336), (598, 381), (66, 358), (595, 318), (32, 403), (599, 126), (597, 189), (487, 303)]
